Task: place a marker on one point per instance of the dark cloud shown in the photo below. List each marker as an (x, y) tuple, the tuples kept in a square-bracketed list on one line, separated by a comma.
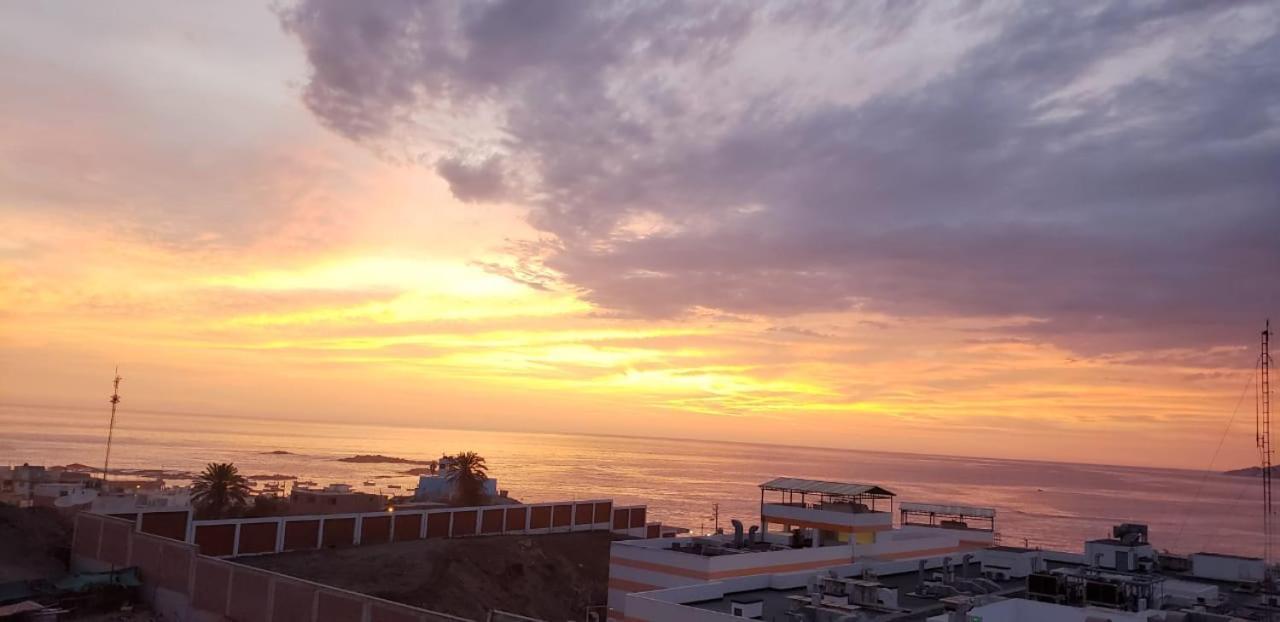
[(1107, 171), (801, 331), (475, 182)]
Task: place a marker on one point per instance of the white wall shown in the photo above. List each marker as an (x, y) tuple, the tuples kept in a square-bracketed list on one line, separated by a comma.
[(1016, 564), (916, 542), (747, 610), (1108, 552), (1225, 568), (779, 513)]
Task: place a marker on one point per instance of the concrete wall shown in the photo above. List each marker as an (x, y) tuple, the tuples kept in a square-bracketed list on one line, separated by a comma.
[(1013, 564), (907, 546), (775, 513), (169, 523), (1227, 567), (256, 536), (971, 536), (181, 584)]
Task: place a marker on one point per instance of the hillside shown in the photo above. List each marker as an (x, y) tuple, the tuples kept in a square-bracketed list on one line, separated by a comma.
[(34, 543), (552, 577)]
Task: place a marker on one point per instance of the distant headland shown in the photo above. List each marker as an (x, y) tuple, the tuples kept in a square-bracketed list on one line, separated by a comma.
[(1252, 471), (381, 459)]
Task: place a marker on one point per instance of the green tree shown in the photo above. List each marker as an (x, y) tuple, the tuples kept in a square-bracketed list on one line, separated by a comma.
[(219, 490), (468, 473)]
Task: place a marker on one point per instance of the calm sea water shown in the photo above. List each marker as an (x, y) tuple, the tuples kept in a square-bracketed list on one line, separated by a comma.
[(1044, 504)]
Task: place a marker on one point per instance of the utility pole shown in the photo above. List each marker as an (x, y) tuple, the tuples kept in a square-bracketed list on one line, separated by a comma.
[(111, 428)]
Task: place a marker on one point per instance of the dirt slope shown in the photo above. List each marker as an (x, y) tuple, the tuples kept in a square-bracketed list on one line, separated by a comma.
[(33, 543), (553, 577)]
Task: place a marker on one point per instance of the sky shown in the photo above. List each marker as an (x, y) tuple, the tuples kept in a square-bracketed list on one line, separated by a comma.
[(1021, 230)]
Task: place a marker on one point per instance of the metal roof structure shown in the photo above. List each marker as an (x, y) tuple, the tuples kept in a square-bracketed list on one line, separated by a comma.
[(846, 489)]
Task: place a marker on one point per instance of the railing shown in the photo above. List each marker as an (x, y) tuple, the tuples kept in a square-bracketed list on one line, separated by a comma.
[(843, 508)]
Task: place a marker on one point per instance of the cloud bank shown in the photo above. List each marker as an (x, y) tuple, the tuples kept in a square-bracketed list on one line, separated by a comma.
[(1105, 174)]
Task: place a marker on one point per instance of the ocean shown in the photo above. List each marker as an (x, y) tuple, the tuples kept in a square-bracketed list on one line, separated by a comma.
[(1052, 505)]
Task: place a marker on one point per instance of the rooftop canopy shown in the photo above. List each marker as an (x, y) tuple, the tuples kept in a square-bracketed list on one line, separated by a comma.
[(819, 487), (948, 516), (948, 509)]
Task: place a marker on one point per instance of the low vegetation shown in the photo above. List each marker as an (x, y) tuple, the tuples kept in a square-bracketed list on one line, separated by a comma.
[(219, 491), (467, 472)]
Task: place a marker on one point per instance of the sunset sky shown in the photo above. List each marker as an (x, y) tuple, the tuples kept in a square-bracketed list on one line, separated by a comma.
[(1048, 230)]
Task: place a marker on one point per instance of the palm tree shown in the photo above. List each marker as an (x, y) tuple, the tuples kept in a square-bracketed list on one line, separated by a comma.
[(467, 472), (218, 489)]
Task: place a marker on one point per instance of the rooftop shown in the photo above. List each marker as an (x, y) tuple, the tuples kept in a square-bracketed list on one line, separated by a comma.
[(1227, 556), (794, 484), (777, 602)]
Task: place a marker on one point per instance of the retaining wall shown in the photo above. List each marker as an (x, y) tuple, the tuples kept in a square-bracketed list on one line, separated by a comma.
[(194, 580)]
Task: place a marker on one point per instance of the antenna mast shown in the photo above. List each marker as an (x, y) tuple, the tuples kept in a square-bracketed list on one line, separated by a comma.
[(111, 428), (1264, 436)]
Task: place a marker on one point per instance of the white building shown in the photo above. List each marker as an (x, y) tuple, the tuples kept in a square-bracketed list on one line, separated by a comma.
[(808, 526), (437, 487), (1127, 550)]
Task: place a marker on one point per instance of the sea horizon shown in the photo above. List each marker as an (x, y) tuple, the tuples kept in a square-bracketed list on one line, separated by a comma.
[(1040, 503), (657, 437)]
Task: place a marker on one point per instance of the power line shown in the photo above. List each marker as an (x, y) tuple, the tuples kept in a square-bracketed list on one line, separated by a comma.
[(1205, 476)]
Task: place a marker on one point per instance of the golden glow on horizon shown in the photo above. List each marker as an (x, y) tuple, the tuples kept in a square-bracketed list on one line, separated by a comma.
[(405, 331)]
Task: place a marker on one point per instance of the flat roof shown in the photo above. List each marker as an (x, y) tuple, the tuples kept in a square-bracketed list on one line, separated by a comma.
[(1228, 556), (795, 484), (778, 601)]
